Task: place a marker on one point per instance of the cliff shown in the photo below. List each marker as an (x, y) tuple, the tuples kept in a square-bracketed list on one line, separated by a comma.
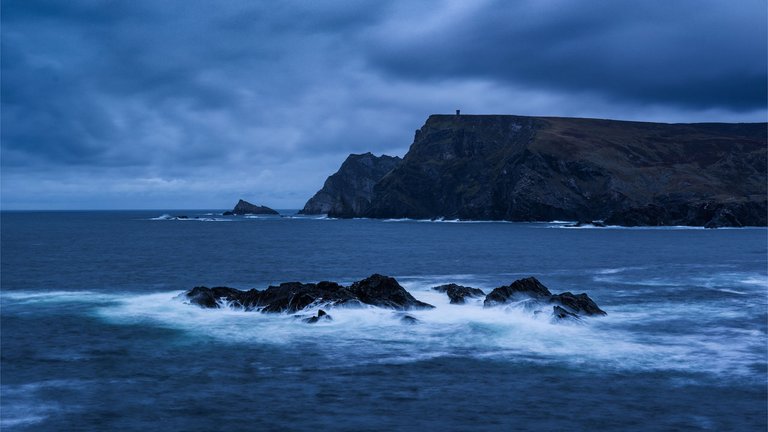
[(348, 192), (500, 167)]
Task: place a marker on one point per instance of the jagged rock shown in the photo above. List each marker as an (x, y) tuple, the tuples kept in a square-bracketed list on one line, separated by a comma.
[(376, 290), (294, 296), (577, 303), (501, 167), (208, 297), (244, 207), (528, 287), (321, 316), (384, 291), (458, 293), (349, 190)]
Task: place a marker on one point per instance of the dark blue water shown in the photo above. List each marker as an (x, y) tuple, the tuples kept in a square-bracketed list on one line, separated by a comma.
[(94, 338)]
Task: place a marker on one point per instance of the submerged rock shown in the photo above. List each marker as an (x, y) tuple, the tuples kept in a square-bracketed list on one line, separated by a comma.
[(458, 293), (409, 320), (376, 290), (321, 316), (531, 289)]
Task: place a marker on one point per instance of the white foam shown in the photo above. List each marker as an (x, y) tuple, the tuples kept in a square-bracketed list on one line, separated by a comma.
[(360, 335), (167, 217), (363, 335)]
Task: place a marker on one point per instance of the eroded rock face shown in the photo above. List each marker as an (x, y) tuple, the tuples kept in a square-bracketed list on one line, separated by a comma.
[(458, 293), (517, 168), (244, 207), (348, 192)]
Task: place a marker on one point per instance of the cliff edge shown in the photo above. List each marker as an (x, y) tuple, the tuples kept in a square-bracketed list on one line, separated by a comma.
[(348, 192), (503, 167)]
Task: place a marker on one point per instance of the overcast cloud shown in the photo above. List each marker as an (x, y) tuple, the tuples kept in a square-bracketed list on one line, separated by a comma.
[(192, 104)]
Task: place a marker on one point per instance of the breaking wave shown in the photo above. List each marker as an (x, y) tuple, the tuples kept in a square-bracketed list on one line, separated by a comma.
[(634, 335)]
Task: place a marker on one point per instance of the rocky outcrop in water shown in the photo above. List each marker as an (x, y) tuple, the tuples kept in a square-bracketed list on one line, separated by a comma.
[(348, 192), (245, 208), (376, 290), (501, 167), (530, 289), (459, 293), (385, 292)]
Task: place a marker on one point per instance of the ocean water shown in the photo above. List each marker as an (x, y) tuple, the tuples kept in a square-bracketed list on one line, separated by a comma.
[(94, 335)]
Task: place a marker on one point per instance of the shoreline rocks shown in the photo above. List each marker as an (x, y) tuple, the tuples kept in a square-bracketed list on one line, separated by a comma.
[(458, 293), (385, 292), (376, 290)]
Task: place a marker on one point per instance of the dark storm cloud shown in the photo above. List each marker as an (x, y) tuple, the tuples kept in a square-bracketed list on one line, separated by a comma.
[(696, 54), (140, 103)]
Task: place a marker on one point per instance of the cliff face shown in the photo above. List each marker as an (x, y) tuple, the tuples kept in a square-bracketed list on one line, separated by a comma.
[(348, 192), (540, 169)]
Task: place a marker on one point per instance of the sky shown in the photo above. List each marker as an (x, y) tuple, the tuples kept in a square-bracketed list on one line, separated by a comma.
[(192, 104)]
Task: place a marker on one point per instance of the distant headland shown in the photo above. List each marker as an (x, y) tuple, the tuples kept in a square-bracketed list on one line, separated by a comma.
[(516, 168)]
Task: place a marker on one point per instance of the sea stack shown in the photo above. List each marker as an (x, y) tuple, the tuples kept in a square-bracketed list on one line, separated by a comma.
[(244, 207)]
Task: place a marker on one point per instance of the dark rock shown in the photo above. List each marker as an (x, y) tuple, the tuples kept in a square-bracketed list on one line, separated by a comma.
[(227, 213), (708, 213), (561, 313), (577, 303), (384, 291), (500, 167), (531, 289), (244, 207), (408, 319), (321, 316), (458, 293), (376, 290), (349, 190), (294, 296), (208, 297), (182, 217), (522, 288)]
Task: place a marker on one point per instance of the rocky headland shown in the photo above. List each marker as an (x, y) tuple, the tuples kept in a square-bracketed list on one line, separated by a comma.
[(385, 292), (516, 168), (348, 192)]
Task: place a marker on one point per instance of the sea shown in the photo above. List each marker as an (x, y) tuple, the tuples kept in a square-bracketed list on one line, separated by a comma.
[(96, 336)]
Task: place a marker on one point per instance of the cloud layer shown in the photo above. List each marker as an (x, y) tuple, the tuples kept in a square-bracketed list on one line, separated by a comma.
[(144, 104)]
